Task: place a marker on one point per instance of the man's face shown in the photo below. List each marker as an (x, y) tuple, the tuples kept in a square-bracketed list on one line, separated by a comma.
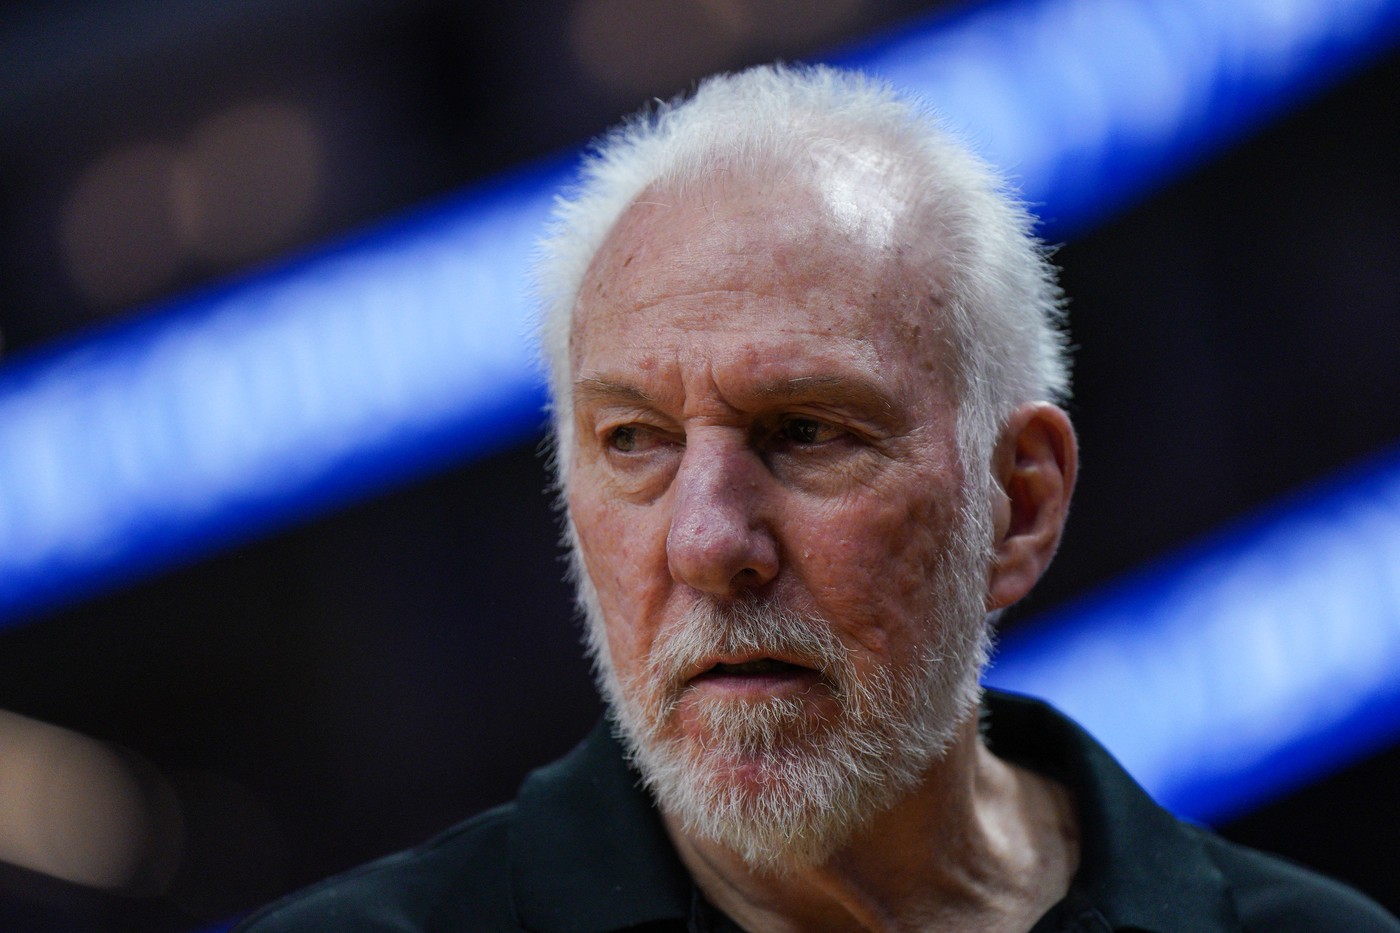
[(767, 492)]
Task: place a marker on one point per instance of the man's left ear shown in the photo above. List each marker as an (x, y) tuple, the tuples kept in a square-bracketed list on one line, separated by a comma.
[(1034, 466)]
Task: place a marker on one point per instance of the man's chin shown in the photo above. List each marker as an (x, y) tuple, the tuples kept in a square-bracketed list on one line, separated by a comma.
[(750, 804), (748, 726), (745, 772)]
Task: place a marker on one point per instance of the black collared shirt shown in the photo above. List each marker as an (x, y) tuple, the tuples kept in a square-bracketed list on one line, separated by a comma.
[(582, 850)]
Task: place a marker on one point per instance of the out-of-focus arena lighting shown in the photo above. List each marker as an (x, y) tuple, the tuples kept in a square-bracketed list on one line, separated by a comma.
[(248, 179), (1088, 104), (637, 46), (119, 239), (76, 809), (244, 181), (239, 410)]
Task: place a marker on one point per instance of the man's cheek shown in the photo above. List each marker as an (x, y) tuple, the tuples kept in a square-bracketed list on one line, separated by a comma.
[(614, 568)]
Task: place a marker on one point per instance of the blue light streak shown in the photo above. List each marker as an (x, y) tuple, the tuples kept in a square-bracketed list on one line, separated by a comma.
[(1092, 104)]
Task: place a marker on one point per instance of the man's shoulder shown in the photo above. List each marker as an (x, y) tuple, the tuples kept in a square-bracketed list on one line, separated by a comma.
[(459, 880), (1143, 868), (1274, 895)]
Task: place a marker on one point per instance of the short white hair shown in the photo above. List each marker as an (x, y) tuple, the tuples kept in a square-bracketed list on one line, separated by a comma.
[(999, 294)]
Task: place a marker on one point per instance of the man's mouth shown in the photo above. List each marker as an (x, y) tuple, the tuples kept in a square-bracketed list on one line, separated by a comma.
[(756, 667), (755, 678)]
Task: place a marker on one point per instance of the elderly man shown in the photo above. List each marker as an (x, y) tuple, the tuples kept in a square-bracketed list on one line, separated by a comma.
[(805, 355)]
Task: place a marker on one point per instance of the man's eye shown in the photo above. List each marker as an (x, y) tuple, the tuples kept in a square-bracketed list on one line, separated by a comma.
[(806, 431), (629, 438)]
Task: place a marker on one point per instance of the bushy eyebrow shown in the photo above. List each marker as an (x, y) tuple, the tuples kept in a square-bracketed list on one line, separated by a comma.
[(835, 389), (593, 388)]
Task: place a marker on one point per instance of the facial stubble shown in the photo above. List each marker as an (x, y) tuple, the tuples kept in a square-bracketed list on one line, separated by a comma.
[(772, 780)]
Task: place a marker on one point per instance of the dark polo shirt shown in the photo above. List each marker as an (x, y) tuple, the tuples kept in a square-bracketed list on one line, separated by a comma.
[(582, 850)]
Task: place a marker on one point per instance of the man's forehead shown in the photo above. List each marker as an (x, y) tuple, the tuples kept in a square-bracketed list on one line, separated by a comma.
[(757, 232), (666, 231), (768, 257)]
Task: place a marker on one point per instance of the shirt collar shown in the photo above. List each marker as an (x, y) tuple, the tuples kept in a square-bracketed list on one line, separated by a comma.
[(1140, 867)]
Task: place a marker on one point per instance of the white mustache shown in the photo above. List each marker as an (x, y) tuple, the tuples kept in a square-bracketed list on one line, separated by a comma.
[(709, 630)]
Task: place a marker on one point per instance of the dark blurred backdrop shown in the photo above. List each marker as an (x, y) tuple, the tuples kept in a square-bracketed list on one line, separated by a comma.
[(350, 686)]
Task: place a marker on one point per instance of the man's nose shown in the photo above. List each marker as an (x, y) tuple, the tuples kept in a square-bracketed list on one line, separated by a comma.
[(720, 540)]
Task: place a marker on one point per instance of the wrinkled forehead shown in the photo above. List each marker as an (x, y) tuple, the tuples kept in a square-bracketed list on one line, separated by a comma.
[(831, 224)]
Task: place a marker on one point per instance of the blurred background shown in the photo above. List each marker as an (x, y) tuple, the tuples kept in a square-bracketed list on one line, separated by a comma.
[(182, 747)]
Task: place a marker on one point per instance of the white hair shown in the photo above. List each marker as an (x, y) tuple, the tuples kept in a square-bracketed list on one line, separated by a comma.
[(998, 291)]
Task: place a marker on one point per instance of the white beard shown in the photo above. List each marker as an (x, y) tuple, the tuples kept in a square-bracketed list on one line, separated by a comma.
[(822, 778)]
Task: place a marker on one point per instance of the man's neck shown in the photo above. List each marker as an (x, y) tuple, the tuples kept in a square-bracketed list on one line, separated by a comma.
[(980, 845)]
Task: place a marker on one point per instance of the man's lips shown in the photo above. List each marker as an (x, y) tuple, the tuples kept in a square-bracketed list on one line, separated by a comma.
[(755, 667), (754, 676)]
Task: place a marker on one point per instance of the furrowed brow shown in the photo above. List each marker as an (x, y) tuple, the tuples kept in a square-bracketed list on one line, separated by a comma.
[(594, 389), (835, 389)]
